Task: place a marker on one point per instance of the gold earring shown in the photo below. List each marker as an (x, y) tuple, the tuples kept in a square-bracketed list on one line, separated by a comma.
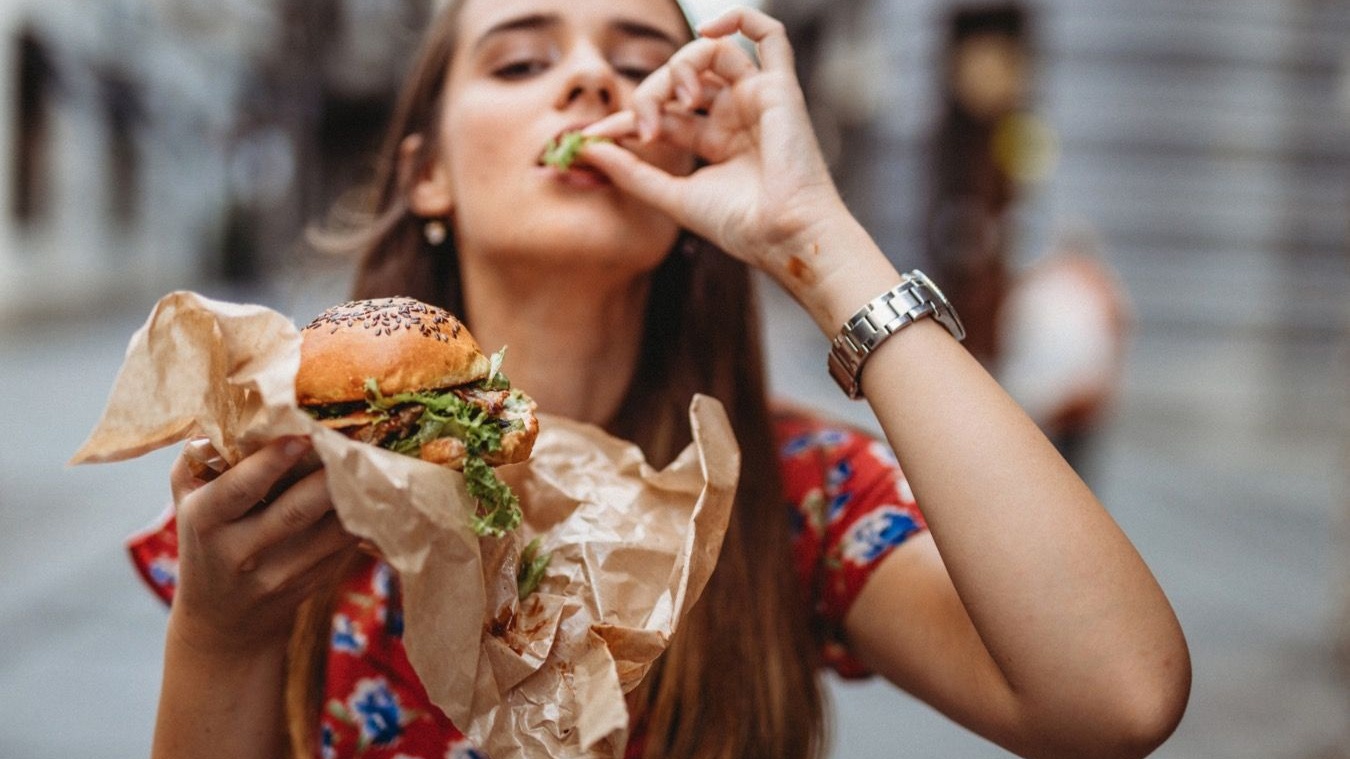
[(435, 232)]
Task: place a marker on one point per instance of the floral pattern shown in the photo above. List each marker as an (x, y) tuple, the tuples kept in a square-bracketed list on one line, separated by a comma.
[(850, 506)]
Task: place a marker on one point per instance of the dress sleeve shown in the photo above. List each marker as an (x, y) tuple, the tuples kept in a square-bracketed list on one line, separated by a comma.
[(850, 507), (154, 553)]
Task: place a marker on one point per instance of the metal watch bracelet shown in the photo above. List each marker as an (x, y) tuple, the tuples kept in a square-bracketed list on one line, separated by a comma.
[(915, 298)]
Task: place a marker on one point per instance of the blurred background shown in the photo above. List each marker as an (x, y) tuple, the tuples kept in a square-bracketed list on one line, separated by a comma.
[(1140, 207)]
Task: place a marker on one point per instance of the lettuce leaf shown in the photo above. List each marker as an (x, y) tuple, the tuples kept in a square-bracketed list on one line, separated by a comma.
[(562, 151), (444, 415), (532, 566), (447, 415), (498, 507)]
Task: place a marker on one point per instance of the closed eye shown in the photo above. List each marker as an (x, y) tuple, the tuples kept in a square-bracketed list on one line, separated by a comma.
[(521, 69), (634, 73)]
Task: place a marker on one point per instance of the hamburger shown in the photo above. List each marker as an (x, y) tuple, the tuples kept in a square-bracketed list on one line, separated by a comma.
[(407, 376)]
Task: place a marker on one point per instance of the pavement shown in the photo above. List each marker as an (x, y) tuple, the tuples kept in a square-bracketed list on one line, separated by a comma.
[(1226, 464)]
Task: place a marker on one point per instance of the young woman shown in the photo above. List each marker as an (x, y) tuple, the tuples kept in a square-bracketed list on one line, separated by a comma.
[(1014, 604)]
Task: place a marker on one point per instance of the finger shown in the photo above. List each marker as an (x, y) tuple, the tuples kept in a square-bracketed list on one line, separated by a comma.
[(721, 57), (182, 480), (683, 130), (614, 126), (680, 80), (232, 494), (768, 34), (305, 557), (649, 100), (644, 181), (301, 506)]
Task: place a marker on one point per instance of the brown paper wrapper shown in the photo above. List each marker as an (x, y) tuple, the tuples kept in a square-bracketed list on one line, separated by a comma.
[(632, 547)]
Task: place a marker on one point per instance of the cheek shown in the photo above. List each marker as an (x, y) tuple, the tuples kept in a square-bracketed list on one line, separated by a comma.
[(477, 151)]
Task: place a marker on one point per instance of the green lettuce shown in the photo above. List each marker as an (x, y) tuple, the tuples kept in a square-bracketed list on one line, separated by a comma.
[(562, 151), (532, 566), (447, 415)]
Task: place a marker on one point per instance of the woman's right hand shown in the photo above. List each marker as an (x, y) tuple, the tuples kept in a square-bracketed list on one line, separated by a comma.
[(253, 543)]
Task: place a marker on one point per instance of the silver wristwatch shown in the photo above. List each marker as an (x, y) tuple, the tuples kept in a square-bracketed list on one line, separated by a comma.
[(915, 298)]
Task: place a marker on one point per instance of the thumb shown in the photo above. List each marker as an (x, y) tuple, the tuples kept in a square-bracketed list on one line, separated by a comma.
[(638, 178)]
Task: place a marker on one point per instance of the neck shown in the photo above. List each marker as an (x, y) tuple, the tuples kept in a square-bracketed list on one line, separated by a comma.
[(572, 337)]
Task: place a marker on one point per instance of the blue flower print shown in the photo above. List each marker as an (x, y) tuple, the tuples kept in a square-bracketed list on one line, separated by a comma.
[(164, 572), (873, 534), (796, 446), (347, 637), (377, 712), (836, 507), (382, 580), (823, 439), (326, 749), (838, 474), (829, 439)]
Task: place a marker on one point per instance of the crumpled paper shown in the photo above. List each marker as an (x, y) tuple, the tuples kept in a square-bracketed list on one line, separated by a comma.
[(632, 547)]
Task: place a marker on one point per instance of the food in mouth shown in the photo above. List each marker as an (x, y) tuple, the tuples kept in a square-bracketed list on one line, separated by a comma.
[(562, 151)]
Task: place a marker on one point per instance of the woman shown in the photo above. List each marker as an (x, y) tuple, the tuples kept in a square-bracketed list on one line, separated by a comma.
[(1022, 612)]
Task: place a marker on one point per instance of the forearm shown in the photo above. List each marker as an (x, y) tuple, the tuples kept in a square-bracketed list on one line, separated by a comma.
[(1061, 600), (215, 705), (1067, 609)]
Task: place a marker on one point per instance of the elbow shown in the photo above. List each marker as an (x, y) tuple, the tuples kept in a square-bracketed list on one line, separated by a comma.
[(1128, 720), (1145, 725), (1144, 713), (1160, 715)]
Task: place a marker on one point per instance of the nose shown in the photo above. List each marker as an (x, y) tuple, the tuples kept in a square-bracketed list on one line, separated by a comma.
[(591, 80)]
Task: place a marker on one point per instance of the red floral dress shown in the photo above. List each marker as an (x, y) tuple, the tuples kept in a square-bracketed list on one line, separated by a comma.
[(849, 506)]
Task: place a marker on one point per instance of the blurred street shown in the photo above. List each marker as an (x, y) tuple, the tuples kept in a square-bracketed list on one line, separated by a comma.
[(1201, 147), (1225, 464)]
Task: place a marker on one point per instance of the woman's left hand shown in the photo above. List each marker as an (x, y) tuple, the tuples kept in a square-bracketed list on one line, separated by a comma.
[(765, 188)]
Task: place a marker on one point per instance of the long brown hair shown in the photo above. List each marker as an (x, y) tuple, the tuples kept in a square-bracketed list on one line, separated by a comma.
[(740, 678)]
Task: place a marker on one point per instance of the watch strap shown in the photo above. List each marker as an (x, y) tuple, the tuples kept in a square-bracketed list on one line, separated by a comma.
[(915, 298)]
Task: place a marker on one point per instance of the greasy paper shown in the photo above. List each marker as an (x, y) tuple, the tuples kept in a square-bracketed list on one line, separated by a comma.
[(632, 547)]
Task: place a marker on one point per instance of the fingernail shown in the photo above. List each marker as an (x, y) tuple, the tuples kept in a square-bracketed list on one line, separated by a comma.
[(295, 446)]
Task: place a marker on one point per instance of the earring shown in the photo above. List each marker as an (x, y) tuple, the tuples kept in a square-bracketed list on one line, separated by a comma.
[(435, 232)]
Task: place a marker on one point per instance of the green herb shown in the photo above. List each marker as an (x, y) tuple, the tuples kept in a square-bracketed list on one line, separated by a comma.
[(444, 415), (532, 566), (498, 508), (447, 415), (562, 151)]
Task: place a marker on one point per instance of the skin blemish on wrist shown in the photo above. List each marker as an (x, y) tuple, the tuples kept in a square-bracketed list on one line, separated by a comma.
[(800, 271)]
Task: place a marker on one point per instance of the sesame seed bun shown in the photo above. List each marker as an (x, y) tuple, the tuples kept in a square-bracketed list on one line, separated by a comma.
[(405, 344)]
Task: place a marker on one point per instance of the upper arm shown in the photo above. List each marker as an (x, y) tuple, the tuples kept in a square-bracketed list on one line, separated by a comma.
[(909, 625)]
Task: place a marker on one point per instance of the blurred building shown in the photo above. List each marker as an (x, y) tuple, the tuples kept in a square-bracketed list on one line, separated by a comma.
[(1203, 139), (151, 144)]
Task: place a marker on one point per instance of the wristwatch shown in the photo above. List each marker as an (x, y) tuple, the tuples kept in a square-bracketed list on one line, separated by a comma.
[(915, 298)]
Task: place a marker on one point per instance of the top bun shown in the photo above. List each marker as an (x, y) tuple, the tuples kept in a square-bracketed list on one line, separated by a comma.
[(405, 344)]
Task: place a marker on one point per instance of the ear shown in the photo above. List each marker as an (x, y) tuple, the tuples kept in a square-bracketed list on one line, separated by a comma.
[(430, 193)]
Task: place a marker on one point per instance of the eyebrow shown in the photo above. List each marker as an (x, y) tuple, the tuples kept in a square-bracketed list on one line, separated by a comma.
[(534, 21)]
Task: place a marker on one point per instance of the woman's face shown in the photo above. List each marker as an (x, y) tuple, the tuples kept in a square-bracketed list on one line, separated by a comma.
[(525, 71)]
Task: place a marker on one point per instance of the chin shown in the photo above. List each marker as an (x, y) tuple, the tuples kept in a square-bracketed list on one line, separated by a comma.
[(585, 241)]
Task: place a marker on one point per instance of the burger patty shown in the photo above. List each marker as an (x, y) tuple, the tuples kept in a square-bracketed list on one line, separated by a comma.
[(401, 423)]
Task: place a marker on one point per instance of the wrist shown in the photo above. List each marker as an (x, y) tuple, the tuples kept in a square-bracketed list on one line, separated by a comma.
[(195, 639), (832, 269)]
